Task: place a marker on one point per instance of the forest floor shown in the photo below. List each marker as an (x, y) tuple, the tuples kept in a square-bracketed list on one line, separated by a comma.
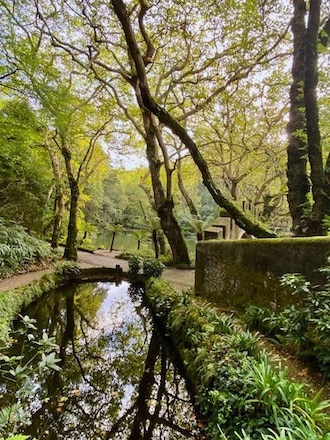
[(180, 279)]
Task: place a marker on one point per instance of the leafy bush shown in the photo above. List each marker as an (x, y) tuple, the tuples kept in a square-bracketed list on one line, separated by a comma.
[(240, 393), (134, 264), (18, 249), (13, 301), (304, 328), (15, 412), (152, 267)]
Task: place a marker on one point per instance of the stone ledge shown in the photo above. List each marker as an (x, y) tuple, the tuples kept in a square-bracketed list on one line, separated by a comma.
[(245, 272)]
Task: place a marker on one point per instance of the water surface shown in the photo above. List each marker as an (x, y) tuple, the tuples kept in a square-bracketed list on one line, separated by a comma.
[(117, 380)]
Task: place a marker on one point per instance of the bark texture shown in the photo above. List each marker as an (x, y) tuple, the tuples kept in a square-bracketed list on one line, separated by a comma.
[(298, 182), (303, 128), (163, 202), (320, 188)]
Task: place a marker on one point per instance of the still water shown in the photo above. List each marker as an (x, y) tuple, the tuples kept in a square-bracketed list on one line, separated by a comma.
[(117, 380)]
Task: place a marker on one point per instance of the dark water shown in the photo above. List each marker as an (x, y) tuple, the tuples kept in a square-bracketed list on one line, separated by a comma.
[(117, 379)]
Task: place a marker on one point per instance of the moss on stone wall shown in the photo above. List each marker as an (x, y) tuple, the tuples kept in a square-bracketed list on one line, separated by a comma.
[(244, 272)]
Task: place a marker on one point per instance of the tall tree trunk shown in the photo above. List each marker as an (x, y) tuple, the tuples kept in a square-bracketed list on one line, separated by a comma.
[(112, 241), (59, 195), (164, 204), (70, 251), (165, 118), (160, 238), (58, 217), (303, 128), (155, 243), (298, 183), (320, 188)]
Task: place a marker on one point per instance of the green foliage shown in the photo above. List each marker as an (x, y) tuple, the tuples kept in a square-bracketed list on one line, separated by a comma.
[(305, 328), (326, 222), (236, 384), (25, 176), (18, 249), (134, 264), (152, 267), (18, 437), (66, 269), (15, 413), (12, 302)]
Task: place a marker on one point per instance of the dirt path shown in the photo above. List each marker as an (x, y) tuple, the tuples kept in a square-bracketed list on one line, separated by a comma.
[(180, 279)]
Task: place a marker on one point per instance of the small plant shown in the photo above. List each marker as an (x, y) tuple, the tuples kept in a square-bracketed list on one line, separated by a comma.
[(152, 267), (16, 408), (134, 264), (241, 394)]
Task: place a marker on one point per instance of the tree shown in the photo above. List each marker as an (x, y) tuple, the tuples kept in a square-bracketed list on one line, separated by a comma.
[(115, 229), (25, 179), (140, 63), (71, 105), (139, 236), (104, 54), (308, 196)]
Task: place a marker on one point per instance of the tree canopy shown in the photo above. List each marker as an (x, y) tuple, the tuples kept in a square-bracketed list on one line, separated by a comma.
[(223, 94)]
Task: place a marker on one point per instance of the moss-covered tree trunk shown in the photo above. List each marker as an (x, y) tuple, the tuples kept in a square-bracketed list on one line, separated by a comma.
[(303, 128), (320, 186), (70, 251), (163, 202), (58, 209), (58, 217), (298, 182)]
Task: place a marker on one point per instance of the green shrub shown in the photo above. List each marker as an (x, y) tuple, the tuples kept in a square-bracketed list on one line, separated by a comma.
[(305, 328), (19, 369), (240, 393), (66, 269), (19, 250), (134, 264), (152, 267)]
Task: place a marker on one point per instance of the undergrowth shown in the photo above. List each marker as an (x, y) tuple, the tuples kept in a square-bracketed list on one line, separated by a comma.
[(241, 394), (19, 250), (305, 328)]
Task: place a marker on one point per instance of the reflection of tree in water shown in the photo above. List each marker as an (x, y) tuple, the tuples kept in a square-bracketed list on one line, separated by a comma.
[(117, 380)]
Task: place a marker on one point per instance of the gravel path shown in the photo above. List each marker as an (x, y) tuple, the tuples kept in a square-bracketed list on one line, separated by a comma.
[(180, 279)]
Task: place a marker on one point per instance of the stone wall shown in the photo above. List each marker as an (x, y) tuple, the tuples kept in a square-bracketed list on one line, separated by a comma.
[(244, 272)]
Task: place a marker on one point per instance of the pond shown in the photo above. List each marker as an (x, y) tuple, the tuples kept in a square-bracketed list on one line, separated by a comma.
[(117, 379)]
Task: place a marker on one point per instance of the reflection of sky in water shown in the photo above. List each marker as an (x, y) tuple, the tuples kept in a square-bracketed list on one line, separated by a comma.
[(116, 293), (103, 369), (116, 316), (117, 307)]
